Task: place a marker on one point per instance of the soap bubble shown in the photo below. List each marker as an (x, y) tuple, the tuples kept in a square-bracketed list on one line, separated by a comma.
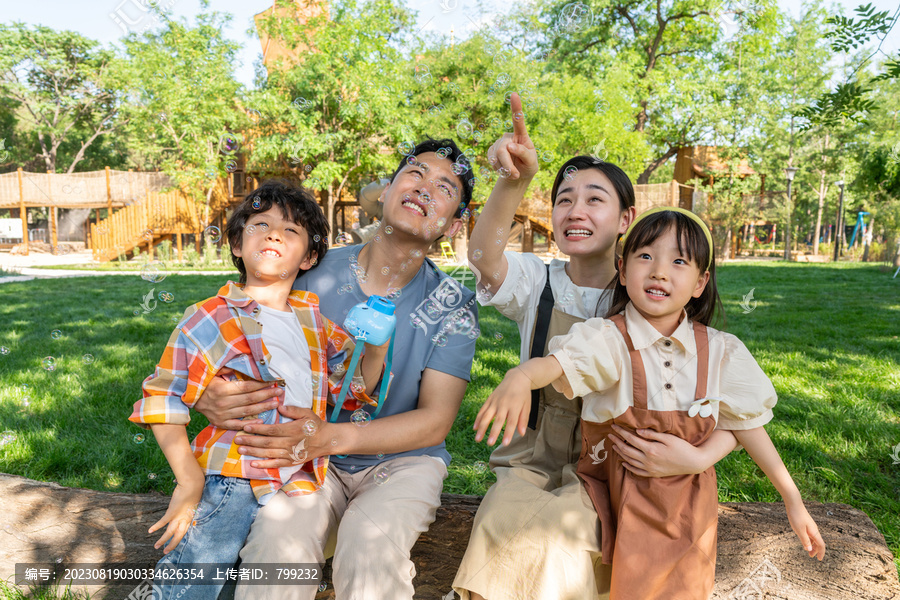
[(7, 437), (480, 466), (166, 297), (254, 115), (334, 441), (256, 204), (385, 270), (87, 359), (56, 334), (498, 336), (138, 438), (151, 476), (503, 172), (301, 103), (231, 165), (229, 144), (382, 474), (380, 455), (310, 428), (477, 255), (323, 586), (154, 272), (49, 363), (343, 238), (212, 233), (389, 230), (464, 129), (148, 234), (4, 350), (406, 148), (360, 418), (570, 172), (439, 340)]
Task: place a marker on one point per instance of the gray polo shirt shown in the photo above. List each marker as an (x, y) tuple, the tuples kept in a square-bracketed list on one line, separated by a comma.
[(437, 326)]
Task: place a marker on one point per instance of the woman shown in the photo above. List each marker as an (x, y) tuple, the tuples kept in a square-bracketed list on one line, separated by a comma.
[(536, 534)]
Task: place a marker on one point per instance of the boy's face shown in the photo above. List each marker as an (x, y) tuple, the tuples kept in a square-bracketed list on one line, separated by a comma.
[(273, 248), (423, 198)]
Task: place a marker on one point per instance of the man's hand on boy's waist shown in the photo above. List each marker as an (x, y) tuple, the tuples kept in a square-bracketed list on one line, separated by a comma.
[(226, 402), (277, 443)]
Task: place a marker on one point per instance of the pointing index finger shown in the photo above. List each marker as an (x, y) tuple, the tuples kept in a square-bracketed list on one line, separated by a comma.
[(515, 104)]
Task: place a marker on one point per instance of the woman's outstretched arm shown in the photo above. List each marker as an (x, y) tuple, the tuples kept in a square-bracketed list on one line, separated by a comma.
[(516, 155)]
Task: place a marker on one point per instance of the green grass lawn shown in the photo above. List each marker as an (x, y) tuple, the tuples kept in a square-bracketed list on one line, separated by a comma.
[(827, 335)]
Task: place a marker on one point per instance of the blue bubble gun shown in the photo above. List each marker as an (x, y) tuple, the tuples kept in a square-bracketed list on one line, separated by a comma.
[(372, 321)]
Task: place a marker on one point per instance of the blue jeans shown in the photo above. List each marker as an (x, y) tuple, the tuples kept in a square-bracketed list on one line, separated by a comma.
[(227, 509)]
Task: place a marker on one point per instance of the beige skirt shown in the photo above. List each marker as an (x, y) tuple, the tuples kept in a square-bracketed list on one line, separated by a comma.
[(536, 534)]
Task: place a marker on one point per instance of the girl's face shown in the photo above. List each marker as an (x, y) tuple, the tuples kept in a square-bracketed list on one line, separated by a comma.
[(587, 216), (661, 281)]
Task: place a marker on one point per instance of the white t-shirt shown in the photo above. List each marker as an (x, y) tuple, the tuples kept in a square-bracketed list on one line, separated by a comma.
[(289, 354), (520, 294)]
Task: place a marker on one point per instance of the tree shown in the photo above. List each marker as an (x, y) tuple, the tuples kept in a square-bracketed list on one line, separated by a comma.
[(184, 116), (330, 116), (668, 49), (66, 89), (850, 99)]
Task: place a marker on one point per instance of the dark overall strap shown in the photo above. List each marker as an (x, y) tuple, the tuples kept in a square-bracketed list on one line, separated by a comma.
[(539, 342), (639, 377)]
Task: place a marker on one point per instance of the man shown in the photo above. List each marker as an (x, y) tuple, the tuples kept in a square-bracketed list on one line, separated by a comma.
[(386, 474)]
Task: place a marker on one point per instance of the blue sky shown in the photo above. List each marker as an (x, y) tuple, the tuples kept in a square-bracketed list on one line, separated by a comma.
[(104, 20)]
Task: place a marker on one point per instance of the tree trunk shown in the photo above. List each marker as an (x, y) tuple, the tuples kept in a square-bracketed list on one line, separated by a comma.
[(757, 551), (329, 211), (823, 189)]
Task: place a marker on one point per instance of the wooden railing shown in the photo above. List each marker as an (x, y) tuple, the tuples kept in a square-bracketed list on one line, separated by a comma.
[(150, 220)]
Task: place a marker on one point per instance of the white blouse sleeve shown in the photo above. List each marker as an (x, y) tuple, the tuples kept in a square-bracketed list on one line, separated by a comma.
[(518, 295), (591, 356), (747, 394)]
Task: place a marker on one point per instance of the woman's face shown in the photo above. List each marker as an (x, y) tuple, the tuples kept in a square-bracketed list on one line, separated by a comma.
[(587, 216)]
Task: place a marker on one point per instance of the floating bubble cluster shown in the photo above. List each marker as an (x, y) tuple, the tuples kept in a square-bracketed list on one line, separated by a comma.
[(154, 272), (212, 233), (360, 418), (381, 474)]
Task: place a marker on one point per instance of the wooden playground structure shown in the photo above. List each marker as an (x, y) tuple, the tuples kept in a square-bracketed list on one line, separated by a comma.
[(142, 208)]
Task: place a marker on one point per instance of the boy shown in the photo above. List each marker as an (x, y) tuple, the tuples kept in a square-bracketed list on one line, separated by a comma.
[(259, 330)]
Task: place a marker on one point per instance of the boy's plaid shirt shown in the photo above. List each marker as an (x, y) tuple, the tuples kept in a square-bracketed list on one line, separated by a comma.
[(220, 333)]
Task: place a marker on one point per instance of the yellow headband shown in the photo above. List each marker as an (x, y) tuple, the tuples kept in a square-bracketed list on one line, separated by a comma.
[(682, 211)]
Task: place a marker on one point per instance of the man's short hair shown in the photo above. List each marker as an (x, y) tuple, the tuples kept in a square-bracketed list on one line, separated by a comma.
[(297, 205), (447, 148)]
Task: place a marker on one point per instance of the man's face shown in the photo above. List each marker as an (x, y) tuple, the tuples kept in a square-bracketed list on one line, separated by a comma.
[(423, 198)]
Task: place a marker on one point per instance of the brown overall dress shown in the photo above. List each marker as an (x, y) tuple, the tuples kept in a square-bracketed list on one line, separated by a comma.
[(659, 533)]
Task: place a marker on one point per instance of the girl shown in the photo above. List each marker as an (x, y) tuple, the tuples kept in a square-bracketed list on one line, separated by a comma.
[(653, 363), (536, 534)]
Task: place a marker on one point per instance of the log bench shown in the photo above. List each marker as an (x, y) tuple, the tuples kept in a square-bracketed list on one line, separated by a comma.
[(758, 554)]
